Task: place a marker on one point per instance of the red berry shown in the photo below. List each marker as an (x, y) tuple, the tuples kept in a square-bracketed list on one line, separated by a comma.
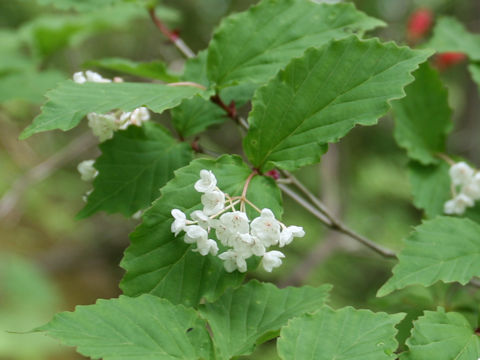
[(273, 174), (448, 59), (419, 23)]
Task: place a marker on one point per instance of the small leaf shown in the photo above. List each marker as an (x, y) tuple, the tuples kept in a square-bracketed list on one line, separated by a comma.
[(159, 263), (342, 334), (449, 35), (257, 311), (70, 102), (151, 70), (423, 117), (442, 336), (134, 165), (430, 187), (444, 249), (139, 328), (321, 96), (252, 46)]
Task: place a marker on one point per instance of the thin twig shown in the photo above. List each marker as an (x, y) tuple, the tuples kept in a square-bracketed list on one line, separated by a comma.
[(43, 170), (171, 35), (335, 224)]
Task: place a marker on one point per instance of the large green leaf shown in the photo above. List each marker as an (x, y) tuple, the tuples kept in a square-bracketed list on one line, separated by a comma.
[(28, 85), (444, 249), (252, 46), (139, 328), (450, 35), (320, 97), (70, 102), (159, 263), (254, 313), (345, 334), (134, 165), (152, 70), (430, 187), (422, 118), (442, 336)]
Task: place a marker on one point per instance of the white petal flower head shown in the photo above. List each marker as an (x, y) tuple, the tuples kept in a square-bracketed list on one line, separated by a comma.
[(213, 202), (87, 171), (207, 182), (204, 247), (103, 125), (229, 260), (287, 234), (195, 234), (461, 173), (243, 245), (79, 78), (266, 228), (236, 222), (458, 204), (472, 189), (139, 115), (180, 221), (92, 76), (202, 218), (271, 260)]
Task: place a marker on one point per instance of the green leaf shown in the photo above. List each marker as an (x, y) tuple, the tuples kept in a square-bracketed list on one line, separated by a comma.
[(450, 35), (13, 58), (343, 334), (28, 85), (252, 46), (256, 311), (423, 117), (443, 249), (430, 187), (83, 5), (134, 165), (151, 70), (442, 336), (70, 102), (50, 33), (475, 71), (320, 97), (159, 263), (139, 328)]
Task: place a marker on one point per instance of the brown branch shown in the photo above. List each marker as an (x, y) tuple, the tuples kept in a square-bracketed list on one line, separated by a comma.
[(171, 35)]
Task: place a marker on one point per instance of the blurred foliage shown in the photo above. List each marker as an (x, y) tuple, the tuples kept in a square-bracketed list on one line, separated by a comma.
[(49, 261)]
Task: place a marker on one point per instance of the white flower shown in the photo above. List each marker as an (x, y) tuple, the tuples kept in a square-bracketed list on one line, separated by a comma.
[(195, 233), (287, 235), (139, 115), (472, 189), (207, 182), (86, 195), (202, 218), (180, 221), (213, 202), (92, 76), (272, 259), (79, 78), (86, 170), (232, 261), (103, 125), (461, 173), (266, 228), (230, 225), (138, 215), (458, 204), (205, 246)]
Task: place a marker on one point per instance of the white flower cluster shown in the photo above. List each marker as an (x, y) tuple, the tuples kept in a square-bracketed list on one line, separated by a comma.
[(465, 188), (104, 125), (241, 238), (87, 171)]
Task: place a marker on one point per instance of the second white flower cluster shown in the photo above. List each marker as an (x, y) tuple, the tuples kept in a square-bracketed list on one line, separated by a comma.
[(465, 188), (240, 237), (104, 125)]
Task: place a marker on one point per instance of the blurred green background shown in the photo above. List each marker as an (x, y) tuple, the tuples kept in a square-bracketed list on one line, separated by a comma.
[(50, 262)]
